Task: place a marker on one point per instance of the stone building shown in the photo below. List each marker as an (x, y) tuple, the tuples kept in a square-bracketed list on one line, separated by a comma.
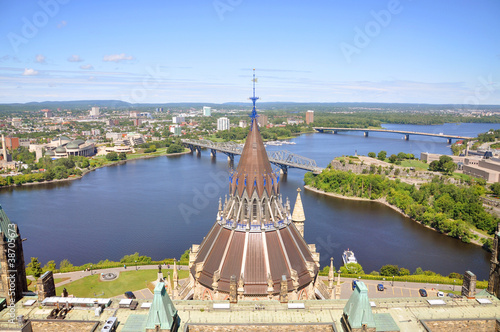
[(494, 279), (254, 244), (12, 273)]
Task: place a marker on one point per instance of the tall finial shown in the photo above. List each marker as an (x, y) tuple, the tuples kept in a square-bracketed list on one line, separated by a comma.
[(254, 99)]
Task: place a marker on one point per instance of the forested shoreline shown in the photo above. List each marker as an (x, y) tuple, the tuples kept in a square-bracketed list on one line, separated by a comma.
[(454, 210)]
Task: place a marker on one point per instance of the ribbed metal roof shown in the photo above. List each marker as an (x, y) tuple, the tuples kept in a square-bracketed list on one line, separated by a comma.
[(254, 238)]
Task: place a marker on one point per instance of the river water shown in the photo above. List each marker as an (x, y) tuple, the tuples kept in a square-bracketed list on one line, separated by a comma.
[(159, 207)]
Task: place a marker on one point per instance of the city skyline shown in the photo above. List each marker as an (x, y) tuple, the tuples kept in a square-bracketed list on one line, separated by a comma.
[(166, 52)]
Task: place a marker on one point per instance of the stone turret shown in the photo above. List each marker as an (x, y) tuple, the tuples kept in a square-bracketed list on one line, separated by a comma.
[(298, 216)]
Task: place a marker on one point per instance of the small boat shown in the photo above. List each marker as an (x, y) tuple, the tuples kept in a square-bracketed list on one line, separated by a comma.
[(348, 257)]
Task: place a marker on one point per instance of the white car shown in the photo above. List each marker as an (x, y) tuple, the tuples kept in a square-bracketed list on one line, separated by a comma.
[(440, 294)]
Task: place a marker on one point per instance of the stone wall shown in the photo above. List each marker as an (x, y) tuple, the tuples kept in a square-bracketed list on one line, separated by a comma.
[(260, 328), (473, 325)]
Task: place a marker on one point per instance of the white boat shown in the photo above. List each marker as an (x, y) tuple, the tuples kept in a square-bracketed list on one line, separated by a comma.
[(348, 257)]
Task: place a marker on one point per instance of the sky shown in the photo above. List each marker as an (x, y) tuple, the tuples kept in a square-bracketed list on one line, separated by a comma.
[(396, 51)]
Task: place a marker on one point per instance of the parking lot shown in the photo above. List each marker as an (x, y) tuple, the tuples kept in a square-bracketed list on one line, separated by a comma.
[(399, 289)]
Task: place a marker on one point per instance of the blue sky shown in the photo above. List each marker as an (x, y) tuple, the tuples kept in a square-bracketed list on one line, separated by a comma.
[(203, 51)]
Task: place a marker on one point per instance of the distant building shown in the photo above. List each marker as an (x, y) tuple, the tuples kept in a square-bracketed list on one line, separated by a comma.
[(262, 120), (207, 111), (94, 111), (137, 122), (86, 133), (176, 130), (243, 124), (47, 113), (159, 109), (11, 143), (309, 117), (178, 119), (114, 136), (222, 124), (488, 169), (134, 114), (96, 132), (77, 147), (16, 122), (113, 122)]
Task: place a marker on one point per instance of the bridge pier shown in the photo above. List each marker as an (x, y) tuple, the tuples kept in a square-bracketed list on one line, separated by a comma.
[(407, 137), (366, 134), (334, 132), (213, 153), (450, 141), (283, 169)]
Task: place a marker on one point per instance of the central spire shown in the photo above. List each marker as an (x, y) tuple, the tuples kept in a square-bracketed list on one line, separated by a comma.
[(254, 170), (254, 114)]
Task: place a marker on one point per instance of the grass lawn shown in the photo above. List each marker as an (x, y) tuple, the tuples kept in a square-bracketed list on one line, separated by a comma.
[(127, 281), (419, 165)]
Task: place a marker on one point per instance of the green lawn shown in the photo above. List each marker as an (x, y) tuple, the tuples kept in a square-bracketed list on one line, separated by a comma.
[(419, 165), (127, 281)]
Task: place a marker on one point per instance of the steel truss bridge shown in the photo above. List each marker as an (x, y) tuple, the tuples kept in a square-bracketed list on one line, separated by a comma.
[(283, 159), (405, 133)]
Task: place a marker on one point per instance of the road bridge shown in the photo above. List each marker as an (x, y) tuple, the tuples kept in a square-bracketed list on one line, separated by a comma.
[(406, 133), (283, 159)]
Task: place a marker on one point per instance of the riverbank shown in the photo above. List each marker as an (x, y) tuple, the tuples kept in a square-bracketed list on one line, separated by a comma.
[(395, 208), (86, 171)]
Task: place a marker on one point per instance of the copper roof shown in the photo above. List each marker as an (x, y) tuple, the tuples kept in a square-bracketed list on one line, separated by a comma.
[(254, 239), (254, 170)]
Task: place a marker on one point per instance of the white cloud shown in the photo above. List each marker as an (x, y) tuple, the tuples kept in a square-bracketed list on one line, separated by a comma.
[(30, 72), (117, 57), (75, 58), (40, 58), (61, 24), (87, 67)]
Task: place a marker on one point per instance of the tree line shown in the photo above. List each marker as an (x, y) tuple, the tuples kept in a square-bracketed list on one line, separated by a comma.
[(448, 208)]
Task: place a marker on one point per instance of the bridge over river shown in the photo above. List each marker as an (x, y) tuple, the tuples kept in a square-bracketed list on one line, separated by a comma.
[(404, 132), (283, 159)]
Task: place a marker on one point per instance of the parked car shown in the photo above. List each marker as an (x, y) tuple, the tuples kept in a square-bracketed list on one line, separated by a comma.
[(440, 294), (380, 287), (354, 282), (452, 295), (422, 292), (129, 295)]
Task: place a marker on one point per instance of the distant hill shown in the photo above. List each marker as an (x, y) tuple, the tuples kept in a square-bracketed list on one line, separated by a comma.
[(285, 106)]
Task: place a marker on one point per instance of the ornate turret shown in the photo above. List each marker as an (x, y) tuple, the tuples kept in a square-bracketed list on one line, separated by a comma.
[(254, 240), (298, 216)]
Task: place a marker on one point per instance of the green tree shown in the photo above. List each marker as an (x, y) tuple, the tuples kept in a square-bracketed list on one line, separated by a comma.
[(50, 266), (393, 158), (112, 156), (404, 272), (381, 155), (122, 156), (65, 264), (352, 268), (495, 188), (175, 148), (449, 167), (371, 154), (35, 267), (85, 163), (418, 271), (389, 270)]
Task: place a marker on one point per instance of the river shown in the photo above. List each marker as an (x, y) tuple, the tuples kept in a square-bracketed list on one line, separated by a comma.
[(159, 207)]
